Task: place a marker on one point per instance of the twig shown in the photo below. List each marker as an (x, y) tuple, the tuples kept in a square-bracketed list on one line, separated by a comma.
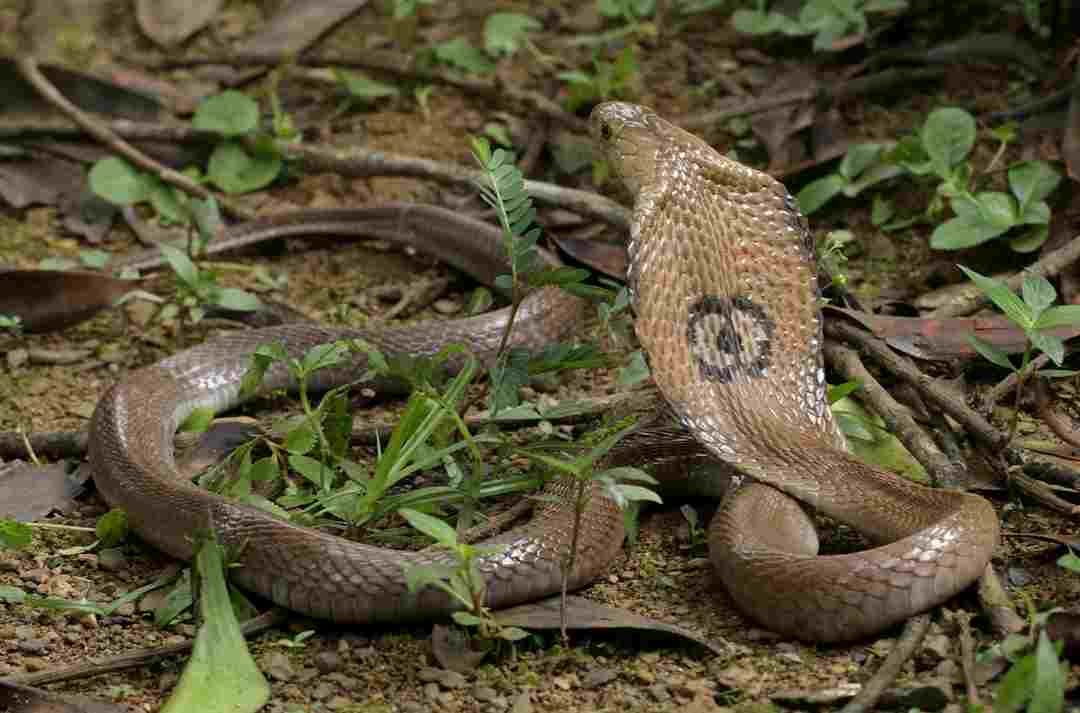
[(904, 648), (1051, 417), (1048, 266), (941, 469), (358, 162), (397, 65), (995, 602), (1041, 492), (56, 444), (962, 620), (29, 70), (902, 367), (995, 394), (251, 627)]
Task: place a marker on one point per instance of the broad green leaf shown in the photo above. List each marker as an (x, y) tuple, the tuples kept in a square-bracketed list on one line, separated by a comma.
[(433, 527), (817, 193), (627, 493), (947, 136), (1070, 561), (1037, 213), (220, 675), (990, 352), (857, 159), (997, 209), (11, 595), (635, 371), (198, 420), (1006, 300), (512, 633), (1015, 687), (118, 182), (96, 259), (1059, 316), (871, 177), (315, 471), (840, 391), (1038, 293), (626, 473), (360, 87), (237, 299), (300, 440), (230, 114), (1030, 240), (112, 528), (234, 170), (15, 535), (1048, 695), (181, 264), (503, 32), (459, 53), (960, 233), (1032, 181), (1050, 345)]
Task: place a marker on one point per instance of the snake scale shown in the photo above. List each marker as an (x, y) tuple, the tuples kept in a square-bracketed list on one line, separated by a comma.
[(724, 290)]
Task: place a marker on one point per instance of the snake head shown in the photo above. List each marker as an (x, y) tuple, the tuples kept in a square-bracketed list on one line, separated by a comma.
[(631, 137)]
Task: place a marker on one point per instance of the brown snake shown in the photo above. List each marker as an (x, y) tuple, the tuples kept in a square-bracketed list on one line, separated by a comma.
[(723, 280)]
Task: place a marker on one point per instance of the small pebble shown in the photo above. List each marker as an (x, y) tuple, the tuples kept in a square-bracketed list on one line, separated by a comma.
[(278, 667), (327, 661), (112, 559)]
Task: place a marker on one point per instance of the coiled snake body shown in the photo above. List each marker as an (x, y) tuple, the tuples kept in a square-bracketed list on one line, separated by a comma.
[(723, 280)]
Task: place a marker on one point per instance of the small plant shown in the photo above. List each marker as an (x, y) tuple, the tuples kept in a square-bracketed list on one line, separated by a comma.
[(860, 169), (697, 540), (827, 20), (11, 323), (1034, 313), (608, 80), (941, 149), (362, 90), (462, 580), (1036, 680)]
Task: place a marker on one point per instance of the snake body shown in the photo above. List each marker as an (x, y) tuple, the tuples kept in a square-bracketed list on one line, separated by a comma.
[(724, 287), (723, 281)]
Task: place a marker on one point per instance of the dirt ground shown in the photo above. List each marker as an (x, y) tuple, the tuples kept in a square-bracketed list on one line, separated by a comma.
[(391, 668)]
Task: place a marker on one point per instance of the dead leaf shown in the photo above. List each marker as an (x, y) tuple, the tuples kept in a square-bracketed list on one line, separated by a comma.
[(48, 300), (30, 492), (584, 613), (24, 699), (170, 22), (298, 25)]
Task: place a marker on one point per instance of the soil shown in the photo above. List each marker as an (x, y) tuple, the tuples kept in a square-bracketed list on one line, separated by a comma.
[(390, 668)]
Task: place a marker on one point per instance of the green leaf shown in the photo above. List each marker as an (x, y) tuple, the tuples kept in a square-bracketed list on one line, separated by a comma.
[(300, 440), (1038, 293), (181, 264), (237, 299), (512, 633), (178, 600), (839, 391), (858, 158), (1048, 695), (960, 233), (1059, 316), (464, 618), (1015, 688), (1050, 345), (459, 53), (118, 182), (635, 371), (1057, 373), (1070, 561), (1006, 300), (817, 193), (230, 114), (1031, 240), (625, 492), (503, 32), (221, 675), (198, 420), (990, 352), (997, 209), (15, 535), (1032, 181), (234, 170), (433, 527), (112, 528), (360, 87), (11, 594), (313, 470), (948, 136)]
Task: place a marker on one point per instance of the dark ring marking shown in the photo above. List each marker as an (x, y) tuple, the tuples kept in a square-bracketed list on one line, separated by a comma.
[(730, 337)]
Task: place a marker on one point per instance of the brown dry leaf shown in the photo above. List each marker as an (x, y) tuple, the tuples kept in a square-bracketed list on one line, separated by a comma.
[(298, 25), (47, 300), (584, 613), (170, 22)]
